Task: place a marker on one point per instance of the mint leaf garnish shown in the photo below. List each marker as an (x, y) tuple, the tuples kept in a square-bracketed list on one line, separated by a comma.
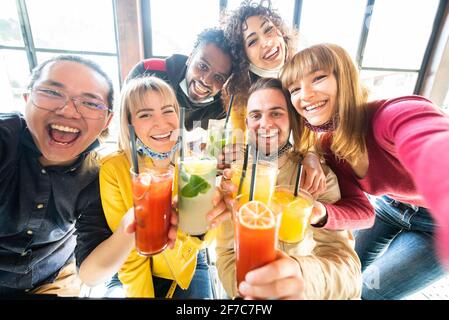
[(195, 185)]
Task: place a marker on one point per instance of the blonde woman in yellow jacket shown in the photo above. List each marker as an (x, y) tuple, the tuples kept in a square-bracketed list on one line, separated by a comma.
[(181, 270), (324, 265)]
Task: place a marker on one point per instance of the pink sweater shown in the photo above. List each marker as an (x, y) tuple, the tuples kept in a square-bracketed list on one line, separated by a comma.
[(408, 150)]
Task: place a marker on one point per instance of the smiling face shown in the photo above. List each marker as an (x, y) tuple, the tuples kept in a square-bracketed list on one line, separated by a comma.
[(263, 43), (208, 69), (315, 96), (267, 119), (62, 135), (156, 122)]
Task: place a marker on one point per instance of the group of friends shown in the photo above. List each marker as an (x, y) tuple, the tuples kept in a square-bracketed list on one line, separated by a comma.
[(376, 169)]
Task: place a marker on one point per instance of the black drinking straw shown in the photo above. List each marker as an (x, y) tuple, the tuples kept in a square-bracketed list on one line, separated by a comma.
[(228, 113), (253, 175), (244, 168), (182, 116), (298, 178), (132, 137)]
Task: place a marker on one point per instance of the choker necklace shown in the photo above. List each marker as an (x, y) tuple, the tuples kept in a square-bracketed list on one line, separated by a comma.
[(331, 125), (264, 73), (278, 154), (144, 150)]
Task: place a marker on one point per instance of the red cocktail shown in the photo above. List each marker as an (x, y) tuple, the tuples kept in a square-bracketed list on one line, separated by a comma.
[(255, 237), (152, 195)]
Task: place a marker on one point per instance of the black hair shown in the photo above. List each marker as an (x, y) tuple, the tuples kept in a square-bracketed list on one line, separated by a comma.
[(233, 28), (212, 36), (37, 71), (216, 37)]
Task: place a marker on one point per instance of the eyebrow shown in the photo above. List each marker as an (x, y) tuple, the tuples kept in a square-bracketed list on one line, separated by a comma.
[(270, 109), (261, 26), (62, 86), (209, 65), (54, 83), (151, 109), (314, 71)]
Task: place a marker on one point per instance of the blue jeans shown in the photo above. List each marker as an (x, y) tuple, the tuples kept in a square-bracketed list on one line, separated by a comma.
[(200, 286), (397, 254)]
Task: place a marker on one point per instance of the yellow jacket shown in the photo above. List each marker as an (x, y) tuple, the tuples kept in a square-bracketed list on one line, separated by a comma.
[(136, 273), (330, 266)]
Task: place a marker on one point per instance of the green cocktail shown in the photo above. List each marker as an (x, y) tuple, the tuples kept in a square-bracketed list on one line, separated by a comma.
[(196, 190)]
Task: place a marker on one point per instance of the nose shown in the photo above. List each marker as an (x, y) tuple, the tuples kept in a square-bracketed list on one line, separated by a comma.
[(157, 120), (307, 92), (267, 41), (208, 78), (69, 110), (265, 123)]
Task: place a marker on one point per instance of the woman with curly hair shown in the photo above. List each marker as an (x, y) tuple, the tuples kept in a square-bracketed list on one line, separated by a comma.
[(261, 43)]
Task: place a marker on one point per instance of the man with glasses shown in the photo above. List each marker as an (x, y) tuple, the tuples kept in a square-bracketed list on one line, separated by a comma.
[(49, 174), (197, 79)]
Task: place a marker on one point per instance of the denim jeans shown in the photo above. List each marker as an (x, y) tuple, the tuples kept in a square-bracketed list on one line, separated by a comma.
[(200, 287), (397, 254)]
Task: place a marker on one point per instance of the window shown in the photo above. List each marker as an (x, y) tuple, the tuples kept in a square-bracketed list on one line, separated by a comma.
[(399, 32), (13, 60), (10, 34), (14, 71), (81, 27), (338, 22), (175, 24), (285, 9), (385, 84)]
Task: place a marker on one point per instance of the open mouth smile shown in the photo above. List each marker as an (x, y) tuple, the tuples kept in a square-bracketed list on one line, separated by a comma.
[(311, 108), (63, 135), (162, 137), (272, 54)]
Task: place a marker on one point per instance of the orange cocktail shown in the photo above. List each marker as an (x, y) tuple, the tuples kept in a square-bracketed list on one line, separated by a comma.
[(296, 213), (255, 237), (266, 173), (152, 195)]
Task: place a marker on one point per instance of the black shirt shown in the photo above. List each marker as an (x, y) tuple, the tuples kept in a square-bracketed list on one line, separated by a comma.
[(173, 71), (39, 207)]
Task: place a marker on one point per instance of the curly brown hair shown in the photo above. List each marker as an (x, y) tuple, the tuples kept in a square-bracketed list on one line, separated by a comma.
[(241, 79)]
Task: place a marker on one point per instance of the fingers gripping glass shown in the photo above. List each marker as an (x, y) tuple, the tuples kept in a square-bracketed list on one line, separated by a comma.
[(52, 100)]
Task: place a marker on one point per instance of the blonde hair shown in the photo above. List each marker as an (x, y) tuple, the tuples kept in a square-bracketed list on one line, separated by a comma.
[(348, 141), (133, 96)]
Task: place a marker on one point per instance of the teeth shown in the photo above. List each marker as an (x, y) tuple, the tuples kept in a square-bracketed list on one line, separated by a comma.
[(268, 134), (271, 53), (314, 106), (200, 88), (161, 136), (64, 128)]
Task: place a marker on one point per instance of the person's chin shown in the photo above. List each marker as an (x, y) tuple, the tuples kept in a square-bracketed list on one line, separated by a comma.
[(58, 157), (163, 149), (196, 98)]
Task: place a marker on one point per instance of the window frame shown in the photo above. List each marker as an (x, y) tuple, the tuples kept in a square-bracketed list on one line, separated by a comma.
[(31, 50)]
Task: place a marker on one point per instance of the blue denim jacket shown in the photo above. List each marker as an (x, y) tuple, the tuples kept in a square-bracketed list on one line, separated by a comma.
[(39, 207)]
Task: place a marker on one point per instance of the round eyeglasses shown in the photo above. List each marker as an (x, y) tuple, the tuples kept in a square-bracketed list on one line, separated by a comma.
[(52, 100)]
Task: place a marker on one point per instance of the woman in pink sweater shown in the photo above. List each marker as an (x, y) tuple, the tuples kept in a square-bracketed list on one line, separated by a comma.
[(396, 149)]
